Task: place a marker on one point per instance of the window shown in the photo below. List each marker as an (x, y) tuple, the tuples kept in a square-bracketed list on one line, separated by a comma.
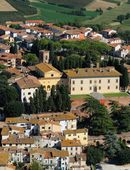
[(43, 127), (116, 80), (116, 87), (95, 81), (108, 81), (52, 75), (108, 87), (73, 89), (90, 88), (99, 81), (99, 87), (73, 82), (90, 81), (81, 81), (49, 127), (48, 88), (81, 88), (29, 93), (71, 148), (76, 149), (85, 138), (72, 126)]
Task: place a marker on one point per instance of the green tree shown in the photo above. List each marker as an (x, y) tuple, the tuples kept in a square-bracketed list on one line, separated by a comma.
[(121, 118), (51, 104), (94, 155), (111, 145), (99, 120), (121, 18), (14, 109), (32, 108), (36, 166), (124, 81), (58, 101), (14, 49), (31, 59), (123, 156)]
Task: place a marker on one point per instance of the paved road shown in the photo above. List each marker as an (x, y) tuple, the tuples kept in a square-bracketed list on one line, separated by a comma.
[(114, 167)]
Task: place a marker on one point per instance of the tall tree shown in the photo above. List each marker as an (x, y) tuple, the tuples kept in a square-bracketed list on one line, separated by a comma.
[(94, 155), (111, 145)]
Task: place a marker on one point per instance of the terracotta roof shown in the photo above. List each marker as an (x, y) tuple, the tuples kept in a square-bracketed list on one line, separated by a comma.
[(44, 67), (14, 71), (114, 45), (43, 122), (75, 131), (16, 128), (70, 143), (49, 152), (16, 120), (92, 72), (34, 21), (5, 131), (13, 22), (127, 47), (4, 46), (56, 116), (28, 82), (2, 27), (14, 140), (4, 158)]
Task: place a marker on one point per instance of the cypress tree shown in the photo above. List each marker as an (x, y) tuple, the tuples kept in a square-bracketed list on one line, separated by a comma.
[(32, 106), (51, 105)]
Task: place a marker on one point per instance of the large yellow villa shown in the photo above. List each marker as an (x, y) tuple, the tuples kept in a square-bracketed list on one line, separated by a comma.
[(80, 81)]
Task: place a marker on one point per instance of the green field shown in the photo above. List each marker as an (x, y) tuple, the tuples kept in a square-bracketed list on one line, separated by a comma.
[(83, 96), (55, 13), (121, 94)]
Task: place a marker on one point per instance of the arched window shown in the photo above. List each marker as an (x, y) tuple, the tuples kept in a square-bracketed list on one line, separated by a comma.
[(48, 88)]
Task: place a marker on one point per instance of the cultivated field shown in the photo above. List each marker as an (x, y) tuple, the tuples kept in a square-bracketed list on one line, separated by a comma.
[(5, 6), (100, 4), (58, 13)]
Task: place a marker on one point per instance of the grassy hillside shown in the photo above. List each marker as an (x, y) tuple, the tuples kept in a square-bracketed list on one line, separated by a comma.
[(109, 16), (51, 12)]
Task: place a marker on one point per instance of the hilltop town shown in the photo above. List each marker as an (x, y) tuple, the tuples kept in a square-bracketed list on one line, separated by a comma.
[(64, 97)]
